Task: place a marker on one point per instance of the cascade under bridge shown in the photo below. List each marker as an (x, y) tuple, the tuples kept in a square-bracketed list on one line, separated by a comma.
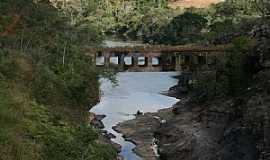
[(157, 57)]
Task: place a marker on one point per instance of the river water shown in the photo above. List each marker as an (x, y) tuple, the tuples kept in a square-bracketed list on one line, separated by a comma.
[(135, 91)]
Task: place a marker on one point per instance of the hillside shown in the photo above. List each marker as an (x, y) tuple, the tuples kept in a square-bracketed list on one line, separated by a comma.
[(192, 3), (44, 101)]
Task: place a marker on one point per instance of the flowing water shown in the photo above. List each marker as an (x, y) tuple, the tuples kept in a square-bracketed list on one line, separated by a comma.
[(135, 91)]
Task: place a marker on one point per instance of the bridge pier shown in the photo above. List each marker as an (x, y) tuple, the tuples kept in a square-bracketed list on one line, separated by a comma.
[(178, 63)]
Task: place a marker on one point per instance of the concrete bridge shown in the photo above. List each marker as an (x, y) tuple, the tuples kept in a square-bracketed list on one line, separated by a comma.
[(157, 57)]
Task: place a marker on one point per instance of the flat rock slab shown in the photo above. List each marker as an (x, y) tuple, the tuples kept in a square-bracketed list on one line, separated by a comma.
[(140, 132)]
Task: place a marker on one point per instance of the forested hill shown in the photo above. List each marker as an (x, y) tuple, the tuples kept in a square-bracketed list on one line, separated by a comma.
[(46, 85)]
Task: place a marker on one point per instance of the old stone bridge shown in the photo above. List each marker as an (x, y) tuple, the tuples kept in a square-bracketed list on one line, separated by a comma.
[(157, 57)]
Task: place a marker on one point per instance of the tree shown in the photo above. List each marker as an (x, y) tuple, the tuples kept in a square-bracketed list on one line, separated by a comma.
[(221, 32), (185, 28), (263, 6), (152, 23)]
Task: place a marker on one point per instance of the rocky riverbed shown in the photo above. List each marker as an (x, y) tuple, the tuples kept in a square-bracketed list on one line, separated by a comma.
[(228, 128), (141, 132)]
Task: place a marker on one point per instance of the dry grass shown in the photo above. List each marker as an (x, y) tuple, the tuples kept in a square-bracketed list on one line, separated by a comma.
[(192, 3)]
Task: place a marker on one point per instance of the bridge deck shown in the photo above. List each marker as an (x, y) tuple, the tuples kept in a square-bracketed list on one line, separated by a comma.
[(162, 48)]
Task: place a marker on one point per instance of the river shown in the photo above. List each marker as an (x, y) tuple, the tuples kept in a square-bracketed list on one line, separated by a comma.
[(134, 91)]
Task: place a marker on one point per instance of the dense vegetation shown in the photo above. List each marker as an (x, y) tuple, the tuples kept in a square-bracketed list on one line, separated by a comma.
[(46, 85), (152, 21), (244, 25), (128, 19), (46, 82)]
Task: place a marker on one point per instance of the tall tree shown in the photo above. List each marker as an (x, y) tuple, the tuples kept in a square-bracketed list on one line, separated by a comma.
[(185, 28)]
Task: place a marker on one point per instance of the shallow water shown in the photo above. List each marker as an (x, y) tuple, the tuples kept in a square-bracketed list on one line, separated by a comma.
[(135, 91)]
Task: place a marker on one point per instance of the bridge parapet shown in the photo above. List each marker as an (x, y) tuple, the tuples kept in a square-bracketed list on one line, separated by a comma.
[(162, 48)]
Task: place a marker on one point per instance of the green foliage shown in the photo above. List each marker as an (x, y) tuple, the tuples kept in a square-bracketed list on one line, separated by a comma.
[(241, 44), (221, 32), (233, 72), (185, 28), (56, 139), (129, 19), (8, 68), (81, 145), (238, 23), (30, 130), (5, 110), (212, 84), (56, 54), (46, 82), (151, 27), (262, 6), (235, 66), (74, 82), (62, 141), (151, 21)]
